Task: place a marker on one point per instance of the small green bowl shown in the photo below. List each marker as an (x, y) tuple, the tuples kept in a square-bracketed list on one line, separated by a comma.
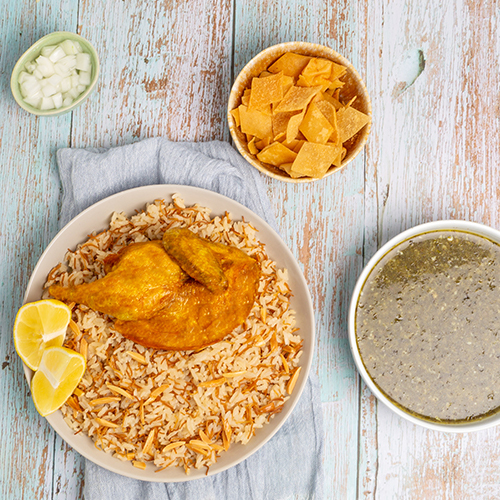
[(34, 51)]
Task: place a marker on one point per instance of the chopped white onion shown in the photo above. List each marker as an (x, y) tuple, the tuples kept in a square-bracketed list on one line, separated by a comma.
[(22, 77), (56, 54), (65, 84), (55, 79), (57, 76), (46, 51), (83, 62), (73, 92), (47, 103), (69, 47), (45, 66), (29, 88), (34, 101), (49, 90), (85, 78), (58, 100)]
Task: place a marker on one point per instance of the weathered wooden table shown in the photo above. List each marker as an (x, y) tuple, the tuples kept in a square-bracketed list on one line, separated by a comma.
[(167, 68)]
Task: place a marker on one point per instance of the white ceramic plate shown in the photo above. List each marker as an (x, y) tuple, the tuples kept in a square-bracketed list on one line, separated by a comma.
[(96, 218), (468, 227)]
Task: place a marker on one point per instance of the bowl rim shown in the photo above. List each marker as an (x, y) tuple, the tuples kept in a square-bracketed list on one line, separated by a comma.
[(289, 47), (36, 47), (97, 217), (435, 226)]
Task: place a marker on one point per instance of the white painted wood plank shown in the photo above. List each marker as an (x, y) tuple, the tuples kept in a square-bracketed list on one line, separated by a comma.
[(165, 71), (29, 211)]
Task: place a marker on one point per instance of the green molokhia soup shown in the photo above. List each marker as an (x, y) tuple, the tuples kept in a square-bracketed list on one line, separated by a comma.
[(428, 323)]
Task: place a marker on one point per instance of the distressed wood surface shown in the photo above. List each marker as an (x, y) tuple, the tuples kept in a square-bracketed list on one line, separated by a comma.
[(166, 70)]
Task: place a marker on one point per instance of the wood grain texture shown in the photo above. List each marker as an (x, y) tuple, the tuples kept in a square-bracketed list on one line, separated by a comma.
[(166, 70)]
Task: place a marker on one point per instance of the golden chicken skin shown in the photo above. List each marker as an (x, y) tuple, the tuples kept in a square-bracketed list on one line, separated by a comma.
[(196, 257), (181, 293), (142, 279)]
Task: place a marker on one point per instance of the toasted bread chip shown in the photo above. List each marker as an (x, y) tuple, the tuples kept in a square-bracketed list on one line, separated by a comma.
[(336, 84), (292, 129), (314, 160), (298, 146), (287, 167), (337, 71), (315, 126), (252, 148), (265, 91), (290, 64), (338, 161), (317, 72), (276, 154), (255, 123), (330, 114), (323, 83), (318, 66), (296, 99), (280, 122), (236, 115), (326, 96), (288, 82), (263, 143), (245, 98), (290, 145), (350, 121)]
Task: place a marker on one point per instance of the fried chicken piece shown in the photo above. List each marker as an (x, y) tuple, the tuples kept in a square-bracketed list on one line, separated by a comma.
[(142, 280), (196, 317), (181, 293)]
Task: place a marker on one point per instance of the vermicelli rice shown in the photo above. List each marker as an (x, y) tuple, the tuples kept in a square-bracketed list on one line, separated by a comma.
[(178, 408)]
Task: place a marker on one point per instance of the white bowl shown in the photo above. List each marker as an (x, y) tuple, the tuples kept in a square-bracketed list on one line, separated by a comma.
[(97, 218), (470, 227)]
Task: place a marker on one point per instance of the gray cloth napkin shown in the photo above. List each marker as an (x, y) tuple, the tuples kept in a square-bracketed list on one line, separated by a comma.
[(290, 464)]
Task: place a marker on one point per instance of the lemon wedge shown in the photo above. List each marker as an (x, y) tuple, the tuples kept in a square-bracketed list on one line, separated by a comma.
[(39, 325), (57, 377)]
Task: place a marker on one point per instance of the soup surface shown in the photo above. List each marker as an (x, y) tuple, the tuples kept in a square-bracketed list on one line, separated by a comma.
[(428, 324)]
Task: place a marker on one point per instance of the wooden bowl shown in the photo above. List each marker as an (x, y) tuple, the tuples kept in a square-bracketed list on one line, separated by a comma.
[(354, 86)]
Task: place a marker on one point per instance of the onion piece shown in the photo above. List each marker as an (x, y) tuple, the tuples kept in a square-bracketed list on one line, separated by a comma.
[(57, 53), (46, 51), (69, 47), (83, 62), (47, 103)]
